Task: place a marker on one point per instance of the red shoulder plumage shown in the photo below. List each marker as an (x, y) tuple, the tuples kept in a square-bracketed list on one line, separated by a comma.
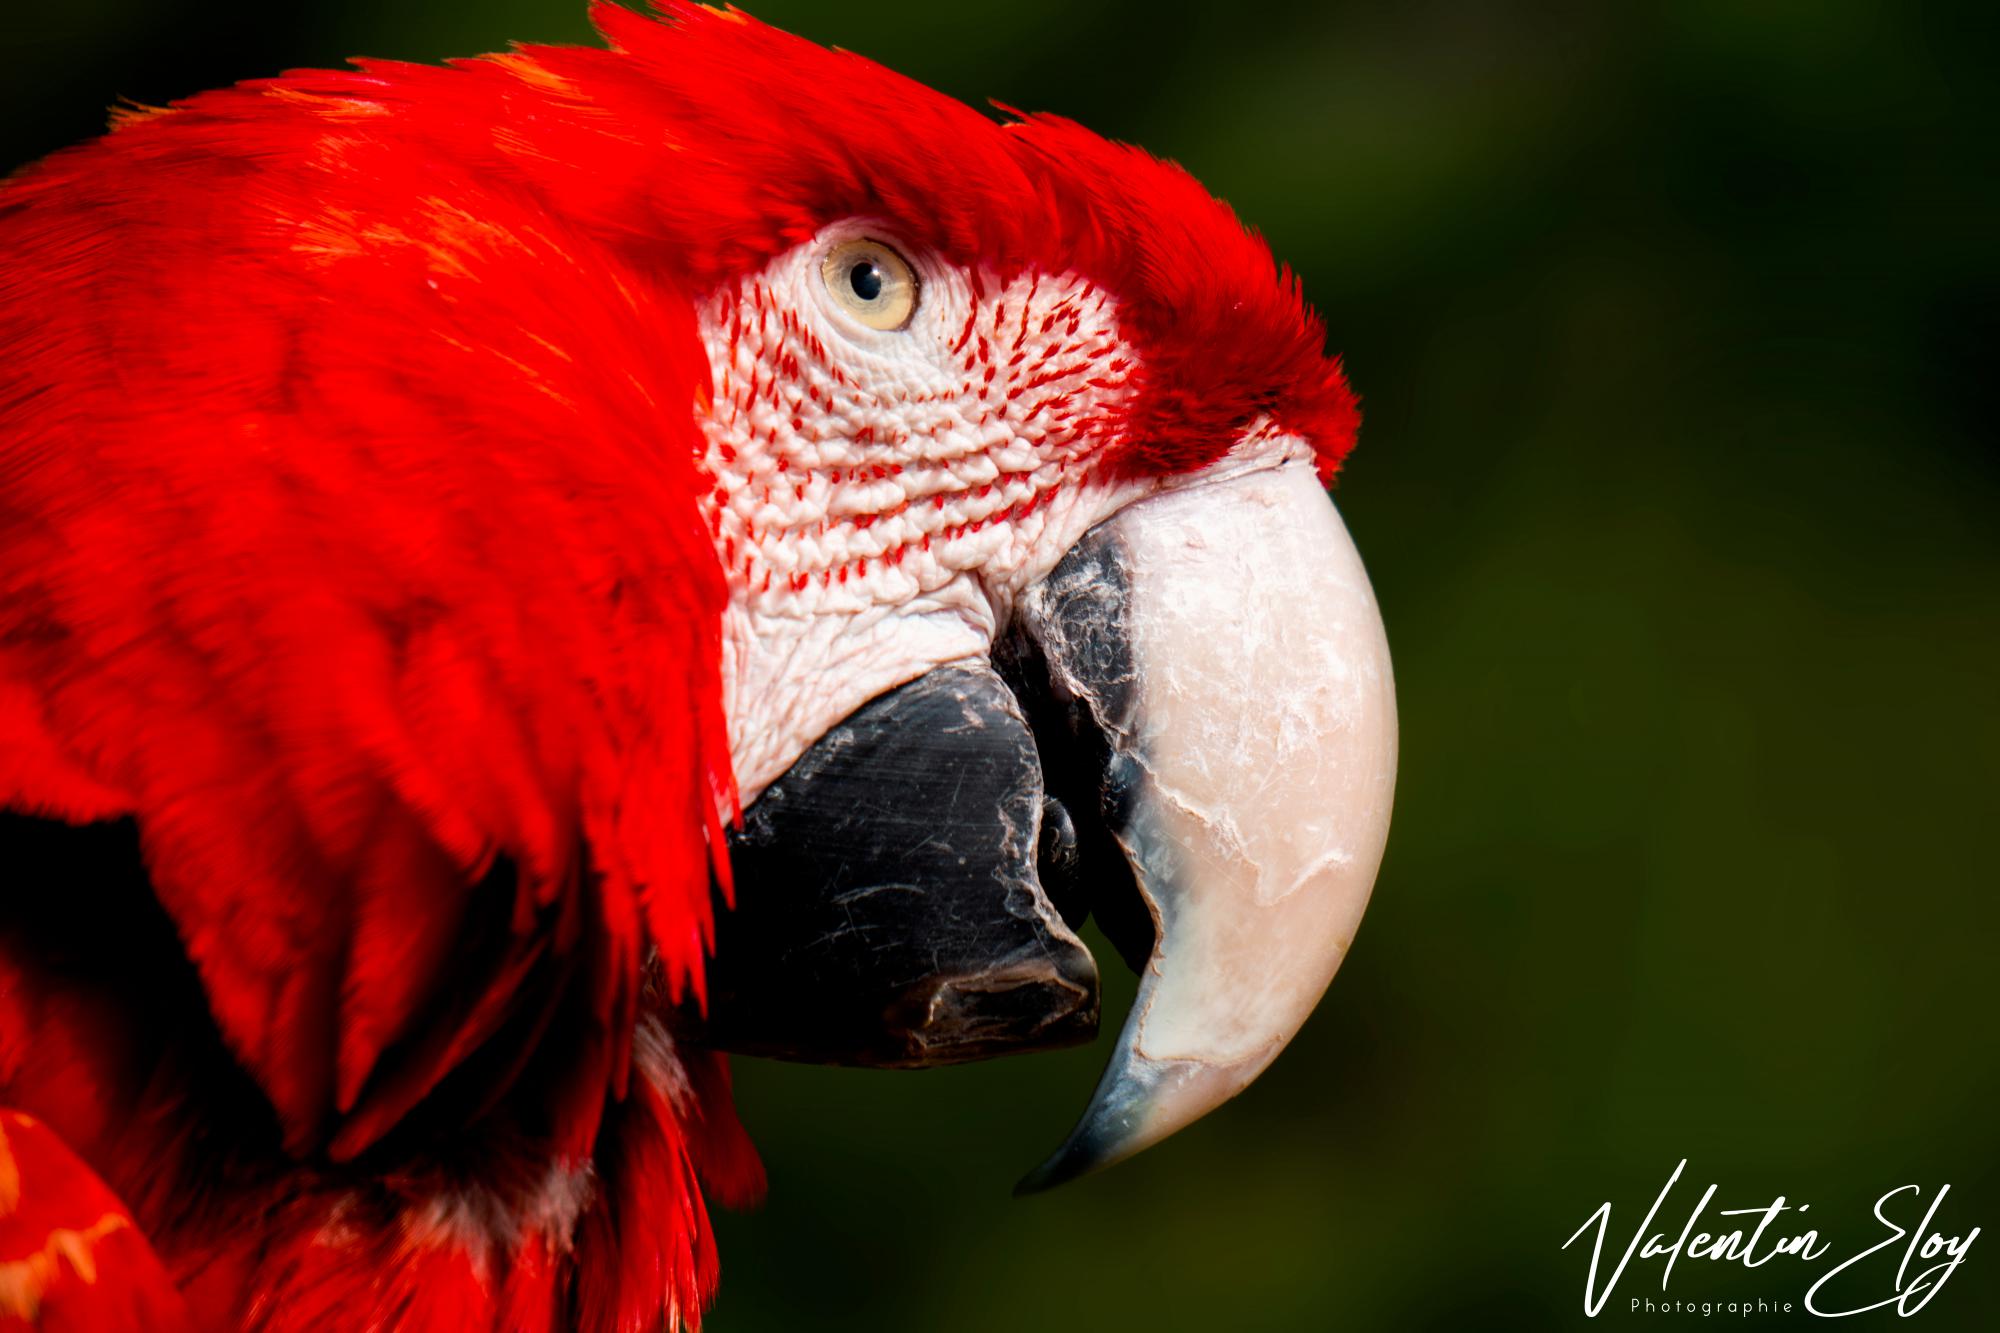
[(349, 550), (438, 598)]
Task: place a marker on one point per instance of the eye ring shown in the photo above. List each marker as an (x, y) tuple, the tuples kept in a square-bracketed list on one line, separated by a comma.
[(871, 284)]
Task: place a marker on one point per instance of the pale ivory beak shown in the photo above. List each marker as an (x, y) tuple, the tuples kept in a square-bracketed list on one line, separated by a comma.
[(1250, 719)]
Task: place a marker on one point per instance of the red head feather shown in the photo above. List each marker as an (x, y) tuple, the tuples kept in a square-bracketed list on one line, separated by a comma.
[(771, 137)]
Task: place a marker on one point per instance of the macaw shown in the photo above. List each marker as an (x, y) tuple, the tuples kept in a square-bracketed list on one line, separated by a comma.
[(520, 577)]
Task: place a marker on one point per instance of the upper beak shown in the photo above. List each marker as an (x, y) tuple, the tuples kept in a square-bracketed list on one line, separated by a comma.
[(1209, 769), (1251, 733)]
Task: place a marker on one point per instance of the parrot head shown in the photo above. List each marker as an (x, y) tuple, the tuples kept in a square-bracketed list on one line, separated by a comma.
[(579, 560), (1015, 446)]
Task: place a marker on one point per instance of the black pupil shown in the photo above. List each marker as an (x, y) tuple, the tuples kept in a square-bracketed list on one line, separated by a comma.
[(865, 279)]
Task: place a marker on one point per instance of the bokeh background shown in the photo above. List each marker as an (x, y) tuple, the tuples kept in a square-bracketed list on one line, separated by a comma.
[(1676, 328)]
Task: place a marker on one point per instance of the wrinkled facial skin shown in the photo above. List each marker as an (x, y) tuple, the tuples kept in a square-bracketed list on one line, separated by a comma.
[(881, 497)]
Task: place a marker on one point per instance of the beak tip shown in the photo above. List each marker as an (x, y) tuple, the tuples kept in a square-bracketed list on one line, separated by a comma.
[(1122, 1118), (1041, 1180), (1073, 1161)]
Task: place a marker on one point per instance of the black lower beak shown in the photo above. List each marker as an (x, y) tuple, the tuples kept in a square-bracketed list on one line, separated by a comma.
[(894, 890)]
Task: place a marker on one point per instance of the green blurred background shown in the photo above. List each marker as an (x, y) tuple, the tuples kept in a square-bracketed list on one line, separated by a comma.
[(1676, 329)]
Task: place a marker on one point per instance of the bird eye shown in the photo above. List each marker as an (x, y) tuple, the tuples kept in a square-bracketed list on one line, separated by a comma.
[(871, 283)]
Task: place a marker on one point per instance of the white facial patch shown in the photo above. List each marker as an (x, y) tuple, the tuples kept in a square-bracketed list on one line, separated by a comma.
[(879, 496)]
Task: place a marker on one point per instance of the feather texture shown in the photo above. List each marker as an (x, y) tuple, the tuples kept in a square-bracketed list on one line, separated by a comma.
[(359, 631)]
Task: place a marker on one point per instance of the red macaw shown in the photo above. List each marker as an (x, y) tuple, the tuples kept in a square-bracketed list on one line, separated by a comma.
[(463, 528)]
